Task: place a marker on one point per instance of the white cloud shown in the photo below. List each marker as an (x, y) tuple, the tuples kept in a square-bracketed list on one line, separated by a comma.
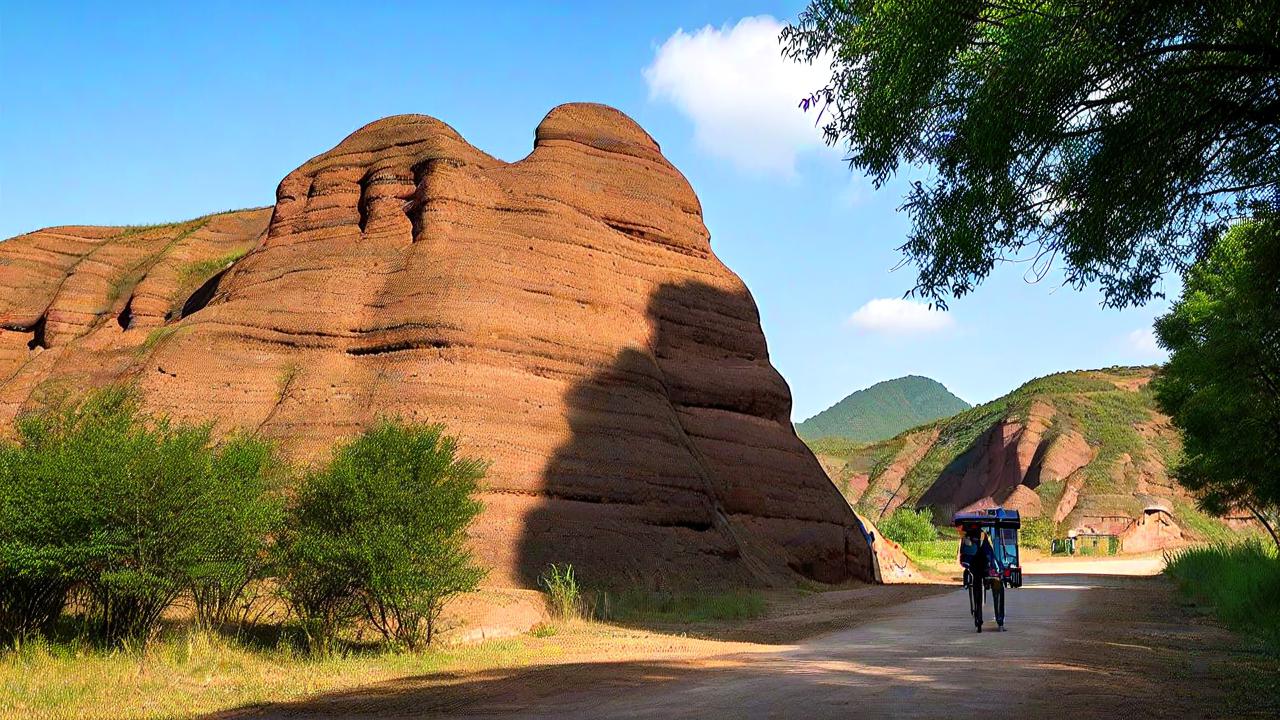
[(741, 94), (896, 316), (1143, 341)]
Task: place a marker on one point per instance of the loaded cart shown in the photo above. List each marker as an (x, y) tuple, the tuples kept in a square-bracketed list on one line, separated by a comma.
[(989, 554), (1002, 526)]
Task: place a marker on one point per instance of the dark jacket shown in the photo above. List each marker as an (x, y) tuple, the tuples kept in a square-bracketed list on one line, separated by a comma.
[(979, 557)]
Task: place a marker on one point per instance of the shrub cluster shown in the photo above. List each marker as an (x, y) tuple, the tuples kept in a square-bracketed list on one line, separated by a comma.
[(1038, 533), (130, 511), (116, 515), (909, 526)]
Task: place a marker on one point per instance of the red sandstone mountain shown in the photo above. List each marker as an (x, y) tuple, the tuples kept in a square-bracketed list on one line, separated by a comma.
[(1086, 450), (563, 314)]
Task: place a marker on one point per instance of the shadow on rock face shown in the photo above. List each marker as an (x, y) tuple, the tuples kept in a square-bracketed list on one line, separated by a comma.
[(683, 470)]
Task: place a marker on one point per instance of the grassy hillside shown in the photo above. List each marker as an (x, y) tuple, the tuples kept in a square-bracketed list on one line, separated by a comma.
[(883, 410), (1084, 448)]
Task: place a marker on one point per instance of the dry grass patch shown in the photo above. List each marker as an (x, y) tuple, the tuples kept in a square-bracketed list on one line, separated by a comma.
[(193, 674), (198, 673)]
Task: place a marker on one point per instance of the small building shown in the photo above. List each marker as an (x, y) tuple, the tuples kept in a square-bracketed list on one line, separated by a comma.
[(1156, 529), (1088, 541)]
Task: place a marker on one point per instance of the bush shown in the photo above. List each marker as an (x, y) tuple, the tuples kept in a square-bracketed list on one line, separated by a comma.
[(933, 551), (1037, 533), (380, 532), (133, 508), (243, 472), (36, 572), (562, 590), (1241, 582), (909, 526)]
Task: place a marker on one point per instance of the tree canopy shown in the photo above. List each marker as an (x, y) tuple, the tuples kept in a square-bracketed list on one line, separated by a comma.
[(1116, 138), (1222, 382)]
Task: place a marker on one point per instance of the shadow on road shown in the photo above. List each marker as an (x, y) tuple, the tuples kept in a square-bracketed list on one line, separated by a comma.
[(1078, 646)]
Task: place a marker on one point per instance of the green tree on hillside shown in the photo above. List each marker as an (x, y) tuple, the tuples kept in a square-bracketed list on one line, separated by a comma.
[(1119, 138), (1222, 382)]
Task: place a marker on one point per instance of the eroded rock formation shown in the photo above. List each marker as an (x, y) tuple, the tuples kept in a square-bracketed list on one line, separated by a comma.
[(1087, 450), (563, 314), (1010, 461)]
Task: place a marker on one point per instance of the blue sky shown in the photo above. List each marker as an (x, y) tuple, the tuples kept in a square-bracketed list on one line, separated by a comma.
[(137, 113)]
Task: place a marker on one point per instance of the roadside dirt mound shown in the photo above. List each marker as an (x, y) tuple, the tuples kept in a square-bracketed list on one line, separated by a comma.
[(563, 314)]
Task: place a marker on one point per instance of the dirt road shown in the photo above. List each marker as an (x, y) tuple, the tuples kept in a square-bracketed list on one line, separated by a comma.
[(921, 661), (1132, 565), (1078, 646)]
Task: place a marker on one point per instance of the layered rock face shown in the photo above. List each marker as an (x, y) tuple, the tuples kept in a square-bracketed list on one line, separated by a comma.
[(78, 304), (1010, 461), (563, 315)]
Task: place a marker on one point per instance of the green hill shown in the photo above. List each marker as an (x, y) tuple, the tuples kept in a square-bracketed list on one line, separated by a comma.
[(883, 410), (1083, 450)]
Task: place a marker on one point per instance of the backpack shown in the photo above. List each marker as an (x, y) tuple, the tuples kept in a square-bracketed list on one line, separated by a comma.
[(969, 550)]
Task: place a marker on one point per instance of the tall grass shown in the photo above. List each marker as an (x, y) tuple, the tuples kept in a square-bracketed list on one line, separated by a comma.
[(1241, 582), (940, 550), (562, 590), (934, 556), (570, 601)]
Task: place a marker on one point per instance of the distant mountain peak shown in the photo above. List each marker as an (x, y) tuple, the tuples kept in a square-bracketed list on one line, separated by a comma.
[(883, 410)]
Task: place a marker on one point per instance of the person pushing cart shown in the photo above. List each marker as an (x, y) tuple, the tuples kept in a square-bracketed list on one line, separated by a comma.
[(989, 555)]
